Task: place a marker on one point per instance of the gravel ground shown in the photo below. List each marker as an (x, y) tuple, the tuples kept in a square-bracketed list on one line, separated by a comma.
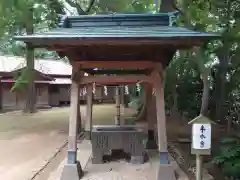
[(122, 170)]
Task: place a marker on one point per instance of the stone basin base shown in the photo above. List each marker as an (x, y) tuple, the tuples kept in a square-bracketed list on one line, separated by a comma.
[(108, 138)]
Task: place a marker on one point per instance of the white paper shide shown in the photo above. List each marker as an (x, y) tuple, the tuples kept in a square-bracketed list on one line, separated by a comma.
[(201, 136)]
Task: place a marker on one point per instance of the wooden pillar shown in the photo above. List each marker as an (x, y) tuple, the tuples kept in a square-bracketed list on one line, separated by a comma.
[(161, 118), (122, 95), (151, 116), (122, 106), (117, 117), (72, 170), (79, 118), (88, 123), (1, 96), (73, 122), (165, 170)]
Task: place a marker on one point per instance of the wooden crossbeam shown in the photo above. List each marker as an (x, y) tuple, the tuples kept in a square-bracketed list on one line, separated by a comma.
[(116, 64), (124, 79), (116, 71)]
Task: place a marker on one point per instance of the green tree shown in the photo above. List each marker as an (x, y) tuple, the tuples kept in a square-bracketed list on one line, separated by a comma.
[(26, 16)]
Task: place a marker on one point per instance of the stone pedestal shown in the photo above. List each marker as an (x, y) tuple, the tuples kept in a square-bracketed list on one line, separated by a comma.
[(127, 138), (166, 172), (72, 172), (137, 159)]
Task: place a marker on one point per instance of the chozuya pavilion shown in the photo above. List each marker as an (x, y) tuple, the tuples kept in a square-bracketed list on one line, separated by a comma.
[(117, 44)]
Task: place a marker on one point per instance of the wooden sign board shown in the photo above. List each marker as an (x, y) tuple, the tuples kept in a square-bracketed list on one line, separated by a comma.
[(201, 135)]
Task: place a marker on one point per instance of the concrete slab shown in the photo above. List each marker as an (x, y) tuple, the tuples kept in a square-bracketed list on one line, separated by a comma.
[(83, 155), (120, 169), (71, 171), (166, 172)]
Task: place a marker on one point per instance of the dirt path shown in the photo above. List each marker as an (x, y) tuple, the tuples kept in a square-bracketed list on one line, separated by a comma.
[(23, 156), (28, 141)]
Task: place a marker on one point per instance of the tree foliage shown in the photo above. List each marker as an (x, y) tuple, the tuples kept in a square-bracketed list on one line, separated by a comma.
[(228, 157), (14, 17), (205, 80)]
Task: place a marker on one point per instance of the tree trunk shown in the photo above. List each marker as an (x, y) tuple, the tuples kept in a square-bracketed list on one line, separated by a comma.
[(31, 91), (229, 124), (205, 94), (174, 108), (167, 6), (204, 72), (220, 86)]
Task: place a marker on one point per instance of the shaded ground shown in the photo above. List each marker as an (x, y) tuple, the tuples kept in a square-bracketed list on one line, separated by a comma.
[(118, 168), (183, 131), (28, 141), (179, 130)]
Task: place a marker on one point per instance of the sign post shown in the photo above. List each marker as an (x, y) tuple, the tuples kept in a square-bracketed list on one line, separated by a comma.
[(201, 141)]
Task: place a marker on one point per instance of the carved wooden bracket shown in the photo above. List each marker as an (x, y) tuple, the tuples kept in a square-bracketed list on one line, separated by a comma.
[(77, 73), (158, 74)]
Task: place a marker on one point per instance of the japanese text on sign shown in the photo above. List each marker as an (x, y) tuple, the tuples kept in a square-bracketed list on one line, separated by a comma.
[(201, 136)]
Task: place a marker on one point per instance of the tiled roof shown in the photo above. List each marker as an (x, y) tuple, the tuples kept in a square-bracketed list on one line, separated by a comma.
[(157, 27), (46, 66), (116, 19), (151, 32)]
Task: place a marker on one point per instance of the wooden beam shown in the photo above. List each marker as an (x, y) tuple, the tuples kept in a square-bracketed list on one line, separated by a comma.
[(116, 71), (114, 84), (116, 64), (124, 79)]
